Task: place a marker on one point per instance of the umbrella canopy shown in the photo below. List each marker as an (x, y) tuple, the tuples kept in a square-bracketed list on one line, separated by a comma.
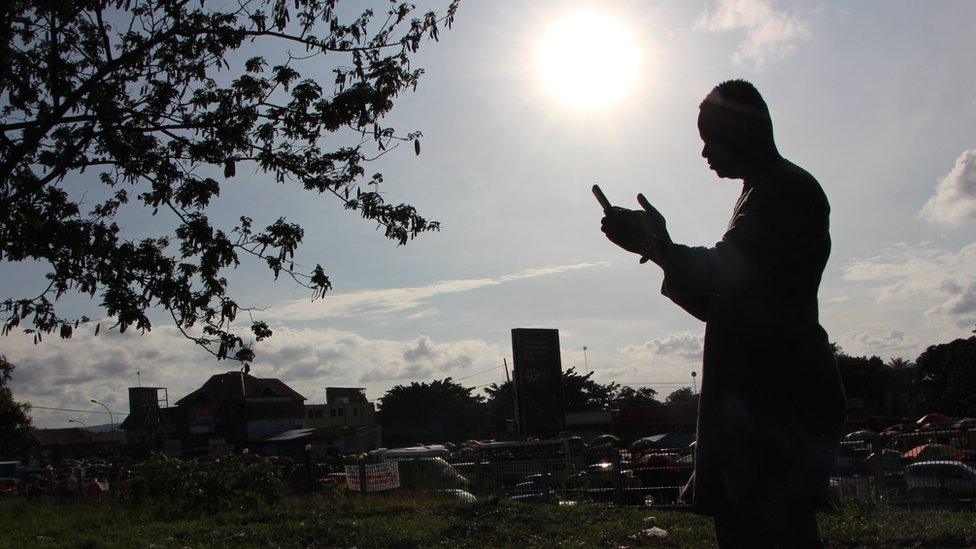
[(933, 419), (605, 441), (865, 435), (645, 443), (927, 452), (968, 423)]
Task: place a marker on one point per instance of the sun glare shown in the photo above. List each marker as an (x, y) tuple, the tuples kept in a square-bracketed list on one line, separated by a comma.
[(587, 59)]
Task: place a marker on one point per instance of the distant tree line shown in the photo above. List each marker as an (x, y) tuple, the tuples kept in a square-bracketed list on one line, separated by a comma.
[(941, 379), (445, 410)]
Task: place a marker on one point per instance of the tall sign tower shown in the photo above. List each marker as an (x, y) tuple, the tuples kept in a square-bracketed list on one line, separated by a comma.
[(538, 377)]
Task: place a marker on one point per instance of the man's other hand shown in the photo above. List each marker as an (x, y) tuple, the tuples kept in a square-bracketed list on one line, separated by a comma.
[(654, 222)]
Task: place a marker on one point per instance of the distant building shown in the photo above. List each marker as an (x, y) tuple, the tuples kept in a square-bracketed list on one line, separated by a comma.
[(234, 409), (344, 407), (589, 425), (71, 443), (634, 423), (152, 425)]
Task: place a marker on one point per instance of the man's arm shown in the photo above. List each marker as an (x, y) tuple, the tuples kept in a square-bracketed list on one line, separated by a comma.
[(760, 235), (695, 304)]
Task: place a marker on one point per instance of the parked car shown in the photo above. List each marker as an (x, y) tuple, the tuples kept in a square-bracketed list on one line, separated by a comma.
[(505, 463), (940, 479)]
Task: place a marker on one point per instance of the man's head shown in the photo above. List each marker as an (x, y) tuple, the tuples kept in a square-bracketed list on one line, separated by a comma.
[(737, 130)]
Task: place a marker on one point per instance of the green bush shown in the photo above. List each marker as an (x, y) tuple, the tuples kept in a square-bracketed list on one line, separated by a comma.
[(228, 483)]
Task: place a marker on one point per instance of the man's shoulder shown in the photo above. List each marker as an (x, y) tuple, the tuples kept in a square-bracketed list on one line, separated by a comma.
[(787, 181)]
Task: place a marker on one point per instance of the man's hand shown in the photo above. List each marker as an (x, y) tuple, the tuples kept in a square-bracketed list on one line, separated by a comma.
[(658, 227), (637, 231)]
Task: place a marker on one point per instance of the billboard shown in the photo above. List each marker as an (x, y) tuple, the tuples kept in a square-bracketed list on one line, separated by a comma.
[(379, 477), (538, 381)]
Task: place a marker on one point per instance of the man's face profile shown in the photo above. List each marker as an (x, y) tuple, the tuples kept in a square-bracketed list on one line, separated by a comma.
[(720, 158)]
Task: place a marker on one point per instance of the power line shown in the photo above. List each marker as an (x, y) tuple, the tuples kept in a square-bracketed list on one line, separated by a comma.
[(476, 373), (72, 410), (654, 383)]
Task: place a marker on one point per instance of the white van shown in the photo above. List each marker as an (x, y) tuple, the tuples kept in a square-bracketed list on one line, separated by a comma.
[(507, 463), (414, 452)]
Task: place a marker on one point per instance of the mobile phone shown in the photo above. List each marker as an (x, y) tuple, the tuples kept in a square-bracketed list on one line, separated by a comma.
[(601, 198)]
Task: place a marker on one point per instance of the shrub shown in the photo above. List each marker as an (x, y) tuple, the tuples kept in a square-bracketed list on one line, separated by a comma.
[(228, 483)]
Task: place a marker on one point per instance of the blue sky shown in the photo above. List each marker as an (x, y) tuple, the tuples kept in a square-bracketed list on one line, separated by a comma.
[(875, 99)]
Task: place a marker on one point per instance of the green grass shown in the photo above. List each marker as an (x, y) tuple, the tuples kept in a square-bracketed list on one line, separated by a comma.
[(403, 521)]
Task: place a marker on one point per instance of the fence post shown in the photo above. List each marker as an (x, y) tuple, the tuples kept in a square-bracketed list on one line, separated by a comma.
[(362, 476), (879, 488), (545, 479), (310, 463), (477, 474), (617, 483)]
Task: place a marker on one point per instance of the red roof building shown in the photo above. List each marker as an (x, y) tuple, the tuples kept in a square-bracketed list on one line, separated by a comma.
[(233, 409), (633, 423)]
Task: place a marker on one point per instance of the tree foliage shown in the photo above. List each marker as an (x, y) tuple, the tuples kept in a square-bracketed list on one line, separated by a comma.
[(629, 397), (157, 98), (431, 412), (15, 420), (946, 377), (887, 389), (582, 393), (683, 395), (500, 409)]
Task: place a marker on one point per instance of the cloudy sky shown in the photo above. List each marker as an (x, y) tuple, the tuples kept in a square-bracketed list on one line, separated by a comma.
[(876, 99)]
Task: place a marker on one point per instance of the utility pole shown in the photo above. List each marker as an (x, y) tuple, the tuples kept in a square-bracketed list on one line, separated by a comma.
[(586, 364), (515, 404)]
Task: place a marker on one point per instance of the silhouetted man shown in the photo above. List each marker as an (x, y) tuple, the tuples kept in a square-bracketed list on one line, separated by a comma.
[(771, 407)]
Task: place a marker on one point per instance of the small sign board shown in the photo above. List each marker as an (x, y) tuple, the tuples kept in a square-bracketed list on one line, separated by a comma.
[(379, 477)]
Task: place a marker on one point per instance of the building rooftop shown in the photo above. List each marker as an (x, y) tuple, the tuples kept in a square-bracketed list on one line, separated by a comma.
[(238, 385), (69, 436)]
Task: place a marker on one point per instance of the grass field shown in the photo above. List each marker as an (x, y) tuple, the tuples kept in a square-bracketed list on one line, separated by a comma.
[(383, 521)]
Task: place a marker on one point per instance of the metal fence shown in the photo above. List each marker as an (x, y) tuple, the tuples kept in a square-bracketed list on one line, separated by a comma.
[(921, 467)]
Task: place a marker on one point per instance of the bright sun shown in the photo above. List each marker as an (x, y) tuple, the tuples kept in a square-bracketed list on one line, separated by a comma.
[(588, 60)]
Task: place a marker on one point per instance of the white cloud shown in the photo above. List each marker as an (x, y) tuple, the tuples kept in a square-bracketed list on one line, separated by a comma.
[(908, 271), (683, 347), (954, 202), (871, 343), (960, 303), (770, 33), (392, 300), (932, 283)]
